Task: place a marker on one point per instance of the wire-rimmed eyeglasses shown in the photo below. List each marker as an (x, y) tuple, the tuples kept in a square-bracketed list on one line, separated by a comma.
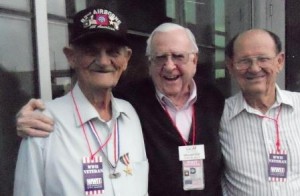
[(178, 58), (261, 61)]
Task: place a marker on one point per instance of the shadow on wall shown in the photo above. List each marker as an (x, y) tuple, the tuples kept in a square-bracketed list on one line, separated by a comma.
[(11, 100)]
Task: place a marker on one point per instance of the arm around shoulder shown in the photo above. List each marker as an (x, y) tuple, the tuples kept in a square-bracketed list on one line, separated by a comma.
[(32, 123)]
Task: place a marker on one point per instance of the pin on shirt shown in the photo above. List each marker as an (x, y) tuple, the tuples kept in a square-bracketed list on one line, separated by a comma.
[(125, 160)]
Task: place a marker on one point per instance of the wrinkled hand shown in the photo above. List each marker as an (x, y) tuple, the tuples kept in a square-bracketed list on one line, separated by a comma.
[(33, 123)]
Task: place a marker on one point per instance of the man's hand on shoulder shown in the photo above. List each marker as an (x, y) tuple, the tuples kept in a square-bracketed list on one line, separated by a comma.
[(32, 123)]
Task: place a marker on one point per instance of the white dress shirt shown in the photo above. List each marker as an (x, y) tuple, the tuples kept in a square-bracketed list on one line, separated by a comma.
[(248, 139), (182, 117), (53, 165)]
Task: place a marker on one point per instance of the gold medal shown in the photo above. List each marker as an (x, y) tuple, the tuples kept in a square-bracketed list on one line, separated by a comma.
[(128, 170), (125, 160)]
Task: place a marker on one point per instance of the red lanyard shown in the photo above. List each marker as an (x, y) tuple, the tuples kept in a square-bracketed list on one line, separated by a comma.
[(116, 141), (276, 122), (84, 131), (193, 126)]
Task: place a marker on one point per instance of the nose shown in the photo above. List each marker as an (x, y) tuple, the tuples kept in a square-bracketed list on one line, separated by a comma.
[(102, 58), (169, 64), (254, 67)]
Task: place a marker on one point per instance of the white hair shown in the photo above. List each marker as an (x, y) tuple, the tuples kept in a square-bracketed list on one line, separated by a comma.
[(166, 27)]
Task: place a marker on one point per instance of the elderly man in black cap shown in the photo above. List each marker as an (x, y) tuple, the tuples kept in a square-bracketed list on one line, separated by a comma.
[(97, 146)]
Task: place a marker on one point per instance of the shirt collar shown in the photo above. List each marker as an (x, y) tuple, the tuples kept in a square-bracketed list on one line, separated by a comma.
[(88, 111), (240, 103), (164, 100), (283, 98)]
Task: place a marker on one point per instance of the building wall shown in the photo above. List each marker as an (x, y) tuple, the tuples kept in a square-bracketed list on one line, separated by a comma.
[(266, 14), (292, 45)]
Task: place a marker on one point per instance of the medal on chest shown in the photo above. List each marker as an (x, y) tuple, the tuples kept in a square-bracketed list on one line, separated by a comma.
[(126, 161), (192, 166)]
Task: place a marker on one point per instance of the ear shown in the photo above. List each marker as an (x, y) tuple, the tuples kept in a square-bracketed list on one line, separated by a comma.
[(70, 55), (195, 59), (280, 60), (229, 65), (127, 55)]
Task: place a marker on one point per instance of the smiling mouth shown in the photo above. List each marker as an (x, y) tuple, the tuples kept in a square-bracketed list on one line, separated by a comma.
[(171, 78), (94, 67), (102, 70), (254, 78)]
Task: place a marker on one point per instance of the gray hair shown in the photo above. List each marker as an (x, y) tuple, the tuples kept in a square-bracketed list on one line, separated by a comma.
[(165, 27)]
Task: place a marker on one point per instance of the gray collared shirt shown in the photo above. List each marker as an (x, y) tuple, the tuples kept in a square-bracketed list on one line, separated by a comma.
[(247, 140), (53, 165)]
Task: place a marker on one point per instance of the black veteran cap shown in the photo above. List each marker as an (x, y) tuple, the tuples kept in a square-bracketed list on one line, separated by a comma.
[(98, 23)]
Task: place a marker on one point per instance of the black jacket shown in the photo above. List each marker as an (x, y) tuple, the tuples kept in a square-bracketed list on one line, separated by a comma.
[(162, 139)]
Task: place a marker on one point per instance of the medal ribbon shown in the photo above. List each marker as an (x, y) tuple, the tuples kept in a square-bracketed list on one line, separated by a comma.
[(116, 134), (116, 140), (276, 122), (193, 126), (125, 159)]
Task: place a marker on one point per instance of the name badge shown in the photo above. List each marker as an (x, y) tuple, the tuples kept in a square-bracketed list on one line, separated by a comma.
[(193, 152), (93, 176), (277, 167)]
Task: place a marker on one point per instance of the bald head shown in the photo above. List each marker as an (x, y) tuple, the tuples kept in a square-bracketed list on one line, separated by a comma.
[(249, 36)]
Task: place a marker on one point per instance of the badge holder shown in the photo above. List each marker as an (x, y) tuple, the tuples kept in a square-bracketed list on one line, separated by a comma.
[(277, 167), (192, 166), (93, 175)]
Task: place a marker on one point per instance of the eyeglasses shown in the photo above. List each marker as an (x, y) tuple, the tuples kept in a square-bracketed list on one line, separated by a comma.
[(261, 61), (178, 58)]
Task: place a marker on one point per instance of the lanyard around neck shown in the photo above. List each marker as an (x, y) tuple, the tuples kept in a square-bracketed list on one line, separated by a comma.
[(91, 125), (116, 141), (193, 126), (276, 122)]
